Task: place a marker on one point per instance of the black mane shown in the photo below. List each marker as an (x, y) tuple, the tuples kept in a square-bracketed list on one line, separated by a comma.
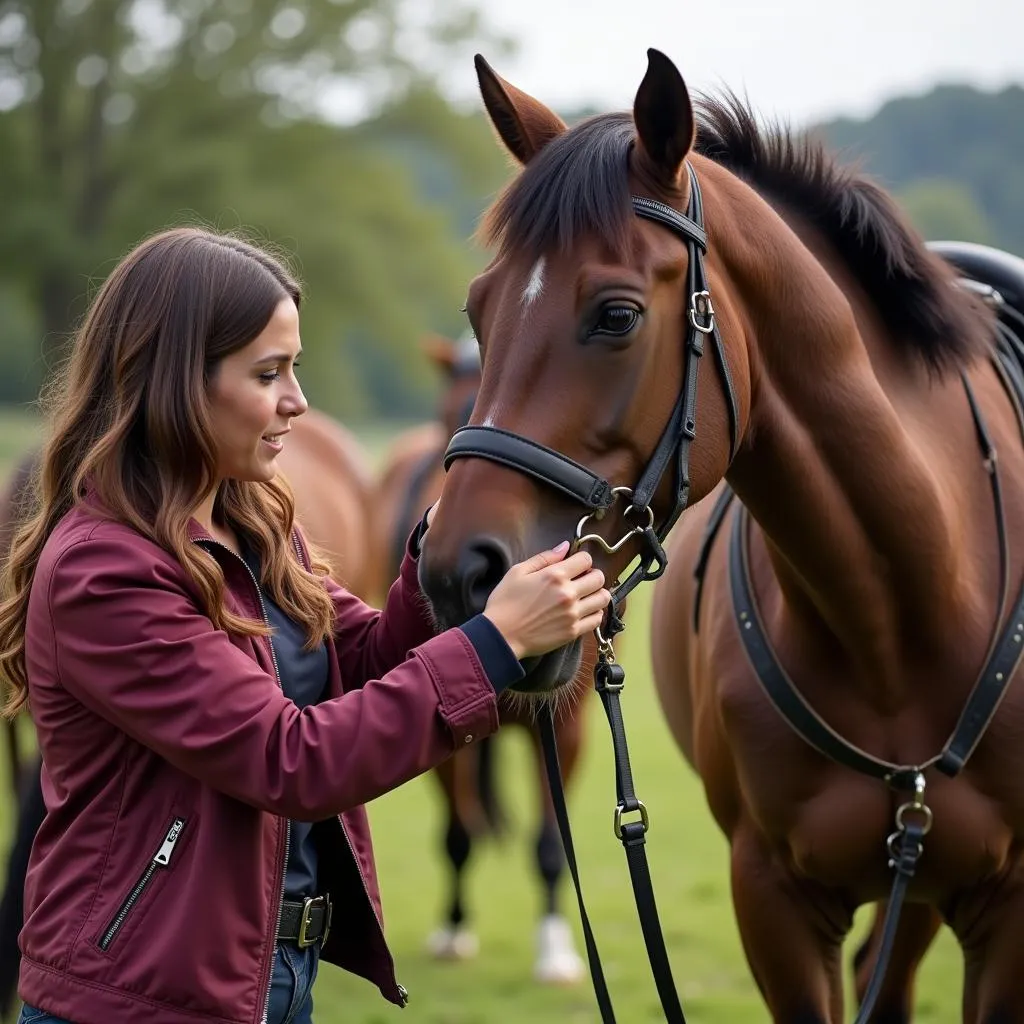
[(579, 185), (911, 288)]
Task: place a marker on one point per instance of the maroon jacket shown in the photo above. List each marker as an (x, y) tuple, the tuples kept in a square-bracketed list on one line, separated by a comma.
[(173, 761)]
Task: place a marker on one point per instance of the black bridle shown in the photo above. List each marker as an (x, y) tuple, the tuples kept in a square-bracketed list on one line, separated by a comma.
[(597, 495)]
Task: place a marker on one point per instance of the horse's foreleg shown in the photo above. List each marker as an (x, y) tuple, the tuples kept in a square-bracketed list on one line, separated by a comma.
[(917, 928), (458, 845), (993, 959), (792, 935), (31, 811), (13, 754), (557, 960), (454, 940)]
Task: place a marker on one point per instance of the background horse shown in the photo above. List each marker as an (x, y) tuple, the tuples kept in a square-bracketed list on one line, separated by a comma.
[(410, 482), (24, 770), (330, 474), (851, 398)]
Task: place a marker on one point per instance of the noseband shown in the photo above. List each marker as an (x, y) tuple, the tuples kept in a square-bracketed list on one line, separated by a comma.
[(595, 493)]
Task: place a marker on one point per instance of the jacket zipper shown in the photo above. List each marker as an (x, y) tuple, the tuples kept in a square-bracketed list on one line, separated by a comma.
[(161, 859), (348, 842), (287, 828)]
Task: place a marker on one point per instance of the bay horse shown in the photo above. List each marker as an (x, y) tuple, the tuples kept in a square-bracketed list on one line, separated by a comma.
[(411, 470), (329, 472), (852, 400), (409, 483)]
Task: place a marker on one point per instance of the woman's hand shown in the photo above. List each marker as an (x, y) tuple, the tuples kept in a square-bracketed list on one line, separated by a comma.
[(548, 601)]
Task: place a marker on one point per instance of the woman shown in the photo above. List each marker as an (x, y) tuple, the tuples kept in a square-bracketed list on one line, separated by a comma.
[(212, 710)]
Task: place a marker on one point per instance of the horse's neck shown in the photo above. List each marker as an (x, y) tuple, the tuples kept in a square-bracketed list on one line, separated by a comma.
[(859, 510)]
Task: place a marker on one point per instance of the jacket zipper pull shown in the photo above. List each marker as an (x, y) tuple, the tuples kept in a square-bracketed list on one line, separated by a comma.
[(163, 856)]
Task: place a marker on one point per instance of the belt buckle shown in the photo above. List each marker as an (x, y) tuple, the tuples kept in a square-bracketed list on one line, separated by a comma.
[(308, 904)]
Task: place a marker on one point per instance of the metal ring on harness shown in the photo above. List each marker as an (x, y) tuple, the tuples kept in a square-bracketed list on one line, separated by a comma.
[(645, 821), (610, 549)]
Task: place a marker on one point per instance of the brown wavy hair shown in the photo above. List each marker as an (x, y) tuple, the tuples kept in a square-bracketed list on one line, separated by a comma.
[(130, 420)]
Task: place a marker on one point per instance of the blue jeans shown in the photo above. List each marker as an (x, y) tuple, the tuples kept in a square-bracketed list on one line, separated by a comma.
[(30, 1015), (291, 989), (291, 984)]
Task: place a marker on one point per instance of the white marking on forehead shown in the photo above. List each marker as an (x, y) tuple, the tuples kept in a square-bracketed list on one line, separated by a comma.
[(536, 283)]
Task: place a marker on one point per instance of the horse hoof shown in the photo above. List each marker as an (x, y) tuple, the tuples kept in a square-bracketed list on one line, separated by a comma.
[(449, 943), (557, 963)]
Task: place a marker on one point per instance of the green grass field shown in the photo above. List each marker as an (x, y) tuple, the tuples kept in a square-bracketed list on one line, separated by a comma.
[(689, 864)]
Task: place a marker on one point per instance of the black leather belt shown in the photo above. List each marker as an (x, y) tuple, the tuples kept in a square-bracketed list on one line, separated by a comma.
[(305, 923)]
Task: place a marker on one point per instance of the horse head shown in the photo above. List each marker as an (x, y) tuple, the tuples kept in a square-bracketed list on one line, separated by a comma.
[(590, 320)]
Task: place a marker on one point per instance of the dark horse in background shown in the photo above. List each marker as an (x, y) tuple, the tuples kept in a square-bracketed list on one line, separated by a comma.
[(410, 481), (23, 771), (851, 396)]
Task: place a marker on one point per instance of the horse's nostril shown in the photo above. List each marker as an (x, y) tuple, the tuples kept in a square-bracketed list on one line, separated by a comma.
[(482, 564)]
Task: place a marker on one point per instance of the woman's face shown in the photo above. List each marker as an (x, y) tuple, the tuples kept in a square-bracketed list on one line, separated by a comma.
[(254, 395)]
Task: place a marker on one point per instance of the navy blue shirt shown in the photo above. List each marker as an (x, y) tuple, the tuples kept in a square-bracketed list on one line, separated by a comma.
[(304, 680)]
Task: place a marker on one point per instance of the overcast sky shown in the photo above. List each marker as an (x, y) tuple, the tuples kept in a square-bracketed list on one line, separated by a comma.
[(800, 59)]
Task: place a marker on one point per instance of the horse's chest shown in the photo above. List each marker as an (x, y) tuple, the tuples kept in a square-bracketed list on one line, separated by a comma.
[(830, 824)]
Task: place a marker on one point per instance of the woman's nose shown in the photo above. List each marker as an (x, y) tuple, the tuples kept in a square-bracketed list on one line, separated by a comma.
[(295, 403)]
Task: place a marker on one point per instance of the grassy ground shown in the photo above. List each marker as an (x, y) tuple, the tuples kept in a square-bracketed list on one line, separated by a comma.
[(688, 861)]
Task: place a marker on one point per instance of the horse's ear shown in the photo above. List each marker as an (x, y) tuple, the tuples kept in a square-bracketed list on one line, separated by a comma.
[(525, 125), (440, 350), (664, 118)]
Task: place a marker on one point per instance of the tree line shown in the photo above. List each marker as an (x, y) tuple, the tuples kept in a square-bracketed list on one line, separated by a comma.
[(121, 117)]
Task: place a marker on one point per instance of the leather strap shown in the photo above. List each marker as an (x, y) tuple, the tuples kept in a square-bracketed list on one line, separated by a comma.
[(315, 912), (1005, 650), (609, 678), (904, 860), (554, 771), (714, 524), (534, 459), (551, 467), (780, 688), (684, 226)]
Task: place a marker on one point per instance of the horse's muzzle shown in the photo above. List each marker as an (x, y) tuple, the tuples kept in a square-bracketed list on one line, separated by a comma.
[(457, 594)]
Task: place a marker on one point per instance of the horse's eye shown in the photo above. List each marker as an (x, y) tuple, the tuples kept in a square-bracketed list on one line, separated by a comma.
[(616, 321)]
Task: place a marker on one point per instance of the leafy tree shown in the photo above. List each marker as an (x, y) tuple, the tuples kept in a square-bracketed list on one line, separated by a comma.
[(121, 117), (946, 210)]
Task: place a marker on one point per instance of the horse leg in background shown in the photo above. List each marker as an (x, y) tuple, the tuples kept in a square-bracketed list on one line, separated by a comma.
[(14, 765), (465, 818), (31, 811), (792, 934), (557, 961), (917, 928)]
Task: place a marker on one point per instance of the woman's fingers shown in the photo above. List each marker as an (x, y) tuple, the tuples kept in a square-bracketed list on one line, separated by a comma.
[(593, 603)]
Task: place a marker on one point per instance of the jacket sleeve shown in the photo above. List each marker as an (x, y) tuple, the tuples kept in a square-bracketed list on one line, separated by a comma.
[(130, 642), (370, 642)]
